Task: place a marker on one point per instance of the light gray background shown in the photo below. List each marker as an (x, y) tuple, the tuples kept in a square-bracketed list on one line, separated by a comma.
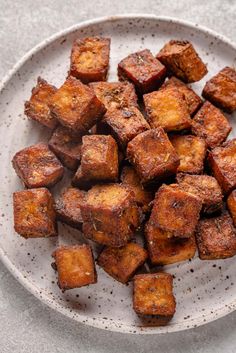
[(26, 325)]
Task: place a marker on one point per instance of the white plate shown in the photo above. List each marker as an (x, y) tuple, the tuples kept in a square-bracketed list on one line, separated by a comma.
[(204, 290)]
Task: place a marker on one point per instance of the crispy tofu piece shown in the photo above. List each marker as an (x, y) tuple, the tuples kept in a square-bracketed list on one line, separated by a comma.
[(99, 162), (76, 106), (143, 70), (152, 155), (122, 263), (37, 166), (131, 180), (231, 204), (37, 107), (153, 294), (221, 89), (75, 266), (90, 59), (205, 187), (68, 207), (110, 215), (34, 215), (191, 151), (210, 124), (167, 108), (216, 238), (222, 161), (67, 147), (175, 211), (181, 59)]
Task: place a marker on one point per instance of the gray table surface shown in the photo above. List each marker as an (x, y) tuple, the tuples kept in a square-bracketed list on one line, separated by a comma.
[(26, 325)]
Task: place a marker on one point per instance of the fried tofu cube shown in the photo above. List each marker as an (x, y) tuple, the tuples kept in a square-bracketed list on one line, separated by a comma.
[(205, 187), (216, 238), (90, 59), (153, 294), (152, 155), (67, 147), (143, 70), (75, 266), (99, 160), (110, 215), (221, 89), (34, 215), (181, 59), (231, 204), (122, 263), (76, 106), (37, 166), (176, 211), (167, 108), (191, 151), (210, 124), (222, 161), (68, 207), (37, 107)]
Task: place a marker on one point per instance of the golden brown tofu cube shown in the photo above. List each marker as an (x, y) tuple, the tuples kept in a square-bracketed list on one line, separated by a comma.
[(90, 59), (75, 266), (143, 70), (152, 155), (205, 187), (216, 238), (181, 59), (153, 294), (76, 106), (34, 215), (66, 146), (210, 124), (37, 166), (191, 151), (222, 161), (167, 108), (68, 207), (131, 180), (110, 215), (37, 107), (175, 211), (99, 161), (221, 89), (122, 263), (231, 204)]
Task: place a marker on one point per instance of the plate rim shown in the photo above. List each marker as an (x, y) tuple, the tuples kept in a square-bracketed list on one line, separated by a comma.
[(221, 312)]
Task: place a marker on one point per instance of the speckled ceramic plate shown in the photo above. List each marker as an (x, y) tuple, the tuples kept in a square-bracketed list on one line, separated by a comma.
[(204, 290)]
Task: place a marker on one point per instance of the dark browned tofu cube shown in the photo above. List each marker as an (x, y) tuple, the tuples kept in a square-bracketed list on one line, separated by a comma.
[(66, 146), (216, 238), (34, 215), (37, 107), (191, 151), (122, 263), (231, 204), (210, 124), (167, 108), (222, 161), (221, 89), (90, 59), (143, 70), (175, 211), (75, 266), (37, 166), (205, 187), (99, 160), (110, 215), (153, 294), (76, 106), (68, 207), (152, 155), (181, 59)]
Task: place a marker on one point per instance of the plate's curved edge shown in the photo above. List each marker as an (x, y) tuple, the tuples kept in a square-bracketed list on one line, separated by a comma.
[(223, 311)]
